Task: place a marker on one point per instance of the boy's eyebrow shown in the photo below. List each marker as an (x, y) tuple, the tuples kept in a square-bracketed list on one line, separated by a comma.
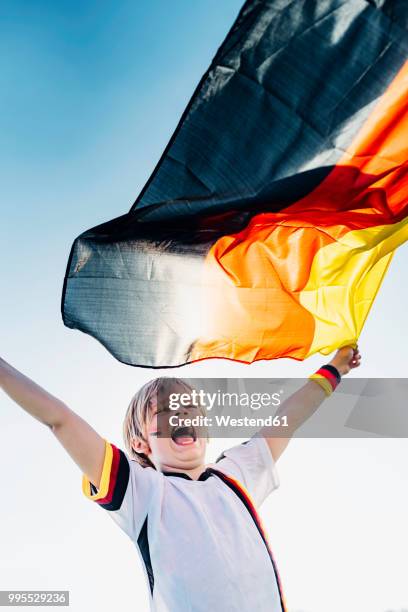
[(157, 411)]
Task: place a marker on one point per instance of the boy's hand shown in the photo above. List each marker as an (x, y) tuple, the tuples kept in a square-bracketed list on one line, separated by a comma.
[(346, 359)]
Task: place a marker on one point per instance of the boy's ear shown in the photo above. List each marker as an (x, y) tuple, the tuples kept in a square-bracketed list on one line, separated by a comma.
[(140, 446)]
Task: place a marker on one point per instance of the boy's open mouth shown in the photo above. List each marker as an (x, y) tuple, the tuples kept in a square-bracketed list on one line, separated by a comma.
[(184, 435)]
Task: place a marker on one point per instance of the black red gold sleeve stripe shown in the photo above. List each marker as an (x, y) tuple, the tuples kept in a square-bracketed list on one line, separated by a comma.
[(114, 479)]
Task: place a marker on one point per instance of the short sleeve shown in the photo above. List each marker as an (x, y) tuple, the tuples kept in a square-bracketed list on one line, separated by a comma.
[(126, 490), (253, 465)]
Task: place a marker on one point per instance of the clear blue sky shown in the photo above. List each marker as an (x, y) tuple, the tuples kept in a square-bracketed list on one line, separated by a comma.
[(90, 94)]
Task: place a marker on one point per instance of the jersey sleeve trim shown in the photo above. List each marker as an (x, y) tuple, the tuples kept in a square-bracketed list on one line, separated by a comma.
[(114, 479)]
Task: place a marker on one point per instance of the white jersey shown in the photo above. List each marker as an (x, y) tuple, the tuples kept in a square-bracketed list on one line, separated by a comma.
[(201, 541)]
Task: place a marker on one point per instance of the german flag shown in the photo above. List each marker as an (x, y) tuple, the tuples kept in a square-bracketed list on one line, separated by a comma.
[(270, 220)]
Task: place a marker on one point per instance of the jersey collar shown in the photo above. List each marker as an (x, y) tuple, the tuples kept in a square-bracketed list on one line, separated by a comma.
[(203, 476)]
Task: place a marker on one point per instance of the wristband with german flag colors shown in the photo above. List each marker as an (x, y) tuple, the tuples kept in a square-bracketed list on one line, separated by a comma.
[(328, 377)]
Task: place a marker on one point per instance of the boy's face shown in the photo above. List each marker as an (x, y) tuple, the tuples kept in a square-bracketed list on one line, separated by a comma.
[(171, 443)]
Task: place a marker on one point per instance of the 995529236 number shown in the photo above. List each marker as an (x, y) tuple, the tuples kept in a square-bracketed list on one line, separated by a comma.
[(34, 598)]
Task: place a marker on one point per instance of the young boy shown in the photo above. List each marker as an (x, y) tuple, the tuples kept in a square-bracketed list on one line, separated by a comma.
[(195, 526)]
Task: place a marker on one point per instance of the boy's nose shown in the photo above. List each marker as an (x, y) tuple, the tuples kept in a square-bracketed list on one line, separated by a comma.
[(182, 412)]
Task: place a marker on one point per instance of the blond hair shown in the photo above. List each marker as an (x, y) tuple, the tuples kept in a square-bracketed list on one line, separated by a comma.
[(140, 410)]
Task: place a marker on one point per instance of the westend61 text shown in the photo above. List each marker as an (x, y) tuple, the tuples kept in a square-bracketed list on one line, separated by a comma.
[(228, 421)]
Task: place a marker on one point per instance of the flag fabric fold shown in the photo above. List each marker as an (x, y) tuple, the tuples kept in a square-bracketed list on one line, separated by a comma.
[(268, 224)]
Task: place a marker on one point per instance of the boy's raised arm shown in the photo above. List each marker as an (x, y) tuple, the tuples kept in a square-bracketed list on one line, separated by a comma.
[(302, 404), (85, 446)]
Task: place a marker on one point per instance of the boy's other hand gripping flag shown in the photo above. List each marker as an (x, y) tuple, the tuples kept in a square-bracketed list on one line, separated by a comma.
[(270, 220)]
